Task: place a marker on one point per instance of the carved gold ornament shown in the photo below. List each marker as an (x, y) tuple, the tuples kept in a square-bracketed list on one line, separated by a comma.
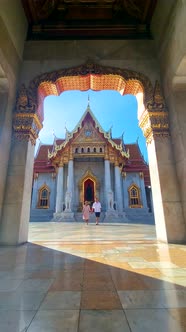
[(25, 101), (154, 121), (154, 124), (89, 76), (26, 127)]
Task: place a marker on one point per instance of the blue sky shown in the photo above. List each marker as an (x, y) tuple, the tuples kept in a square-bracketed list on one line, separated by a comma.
[(109, 107)]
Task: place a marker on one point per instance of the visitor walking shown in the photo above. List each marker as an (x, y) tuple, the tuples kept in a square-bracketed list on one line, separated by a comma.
[(86, 212), (97, 209)]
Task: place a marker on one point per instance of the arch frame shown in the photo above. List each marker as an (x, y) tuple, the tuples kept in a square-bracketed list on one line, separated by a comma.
[(29, 110), (83, 77), (152, 116)]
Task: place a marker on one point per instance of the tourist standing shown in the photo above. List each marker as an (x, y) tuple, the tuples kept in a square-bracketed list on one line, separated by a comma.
[(86, 212), (97, 209)]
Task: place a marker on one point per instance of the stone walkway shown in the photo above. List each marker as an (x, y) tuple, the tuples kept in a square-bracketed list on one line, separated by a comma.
[(79, 278)]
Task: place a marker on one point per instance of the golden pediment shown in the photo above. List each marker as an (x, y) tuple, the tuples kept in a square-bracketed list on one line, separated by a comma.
[(88, 134)]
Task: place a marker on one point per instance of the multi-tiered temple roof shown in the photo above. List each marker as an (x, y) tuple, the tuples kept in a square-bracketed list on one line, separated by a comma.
[(89, 134)]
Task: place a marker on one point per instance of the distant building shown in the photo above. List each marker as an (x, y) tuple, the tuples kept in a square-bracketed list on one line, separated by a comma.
[(87, 163)]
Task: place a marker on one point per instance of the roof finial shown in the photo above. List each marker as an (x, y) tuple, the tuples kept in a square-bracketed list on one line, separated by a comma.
[(88, 102), (53, 133)]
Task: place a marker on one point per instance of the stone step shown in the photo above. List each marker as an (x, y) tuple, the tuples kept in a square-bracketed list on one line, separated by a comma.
[(79, 217), (41, 215)]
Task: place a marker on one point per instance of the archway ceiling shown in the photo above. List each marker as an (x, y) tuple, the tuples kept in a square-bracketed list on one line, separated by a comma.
[(68, 19)]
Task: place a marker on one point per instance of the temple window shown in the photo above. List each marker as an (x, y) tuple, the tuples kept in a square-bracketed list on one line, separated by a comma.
[(94, 150), (43, 201), (88, 150), (82, 150), (76, 150), (134, 197), (100, 150)]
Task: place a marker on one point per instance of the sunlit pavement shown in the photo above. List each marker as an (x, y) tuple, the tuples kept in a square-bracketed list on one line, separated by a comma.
[(107, 278)]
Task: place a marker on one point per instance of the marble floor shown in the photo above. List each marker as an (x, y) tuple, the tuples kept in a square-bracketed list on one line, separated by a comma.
[(71, 277)]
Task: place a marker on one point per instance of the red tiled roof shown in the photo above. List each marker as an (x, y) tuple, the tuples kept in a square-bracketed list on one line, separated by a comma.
[(41, 163), (134, 151), (59, 141), (42, 153), (116, 140), (136, 162)]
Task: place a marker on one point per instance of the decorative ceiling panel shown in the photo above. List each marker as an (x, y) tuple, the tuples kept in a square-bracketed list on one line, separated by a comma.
[(68, 19)]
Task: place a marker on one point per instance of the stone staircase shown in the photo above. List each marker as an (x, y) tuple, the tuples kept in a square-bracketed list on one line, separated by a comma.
[(41, 215), (133, 218), (130, 217), (78, 217), (140, 218)]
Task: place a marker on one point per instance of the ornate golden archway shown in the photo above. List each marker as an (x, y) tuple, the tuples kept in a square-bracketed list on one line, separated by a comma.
[(152, 116), (29, 112), (87, 76)]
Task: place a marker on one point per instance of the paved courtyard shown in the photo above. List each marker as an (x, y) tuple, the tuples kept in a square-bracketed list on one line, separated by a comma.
[(71, 277)]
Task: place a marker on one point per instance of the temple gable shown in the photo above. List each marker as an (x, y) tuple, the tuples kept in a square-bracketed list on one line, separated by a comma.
[(88, 134)]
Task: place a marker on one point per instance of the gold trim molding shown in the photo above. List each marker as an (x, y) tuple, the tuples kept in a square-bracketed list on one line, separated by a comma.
[(154, 124), (88, 76), (88, 175), (154, 121), (26, 127)]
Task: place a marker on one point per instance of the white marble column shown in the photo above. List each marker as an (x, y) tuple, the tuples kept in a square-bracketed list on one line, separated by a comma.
[(170, 226), (143, 192), (59, 191), (6, 106), (16, 209), (118, 189), (70, 186), (107, 182), (70, 176), (151, 201), (125, 192)]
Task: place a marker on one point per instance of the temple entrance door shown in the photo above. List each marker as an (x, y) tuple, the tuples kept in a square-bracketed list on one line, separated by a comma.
[(89, 190)]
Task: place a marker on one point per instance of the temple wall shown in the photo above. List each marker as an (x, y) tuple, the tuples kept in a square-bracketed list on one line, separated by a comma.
[(130, 179), (142, 214), (43, 214), (38, 183), (80, 168), (46, 56), (170, 39)]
